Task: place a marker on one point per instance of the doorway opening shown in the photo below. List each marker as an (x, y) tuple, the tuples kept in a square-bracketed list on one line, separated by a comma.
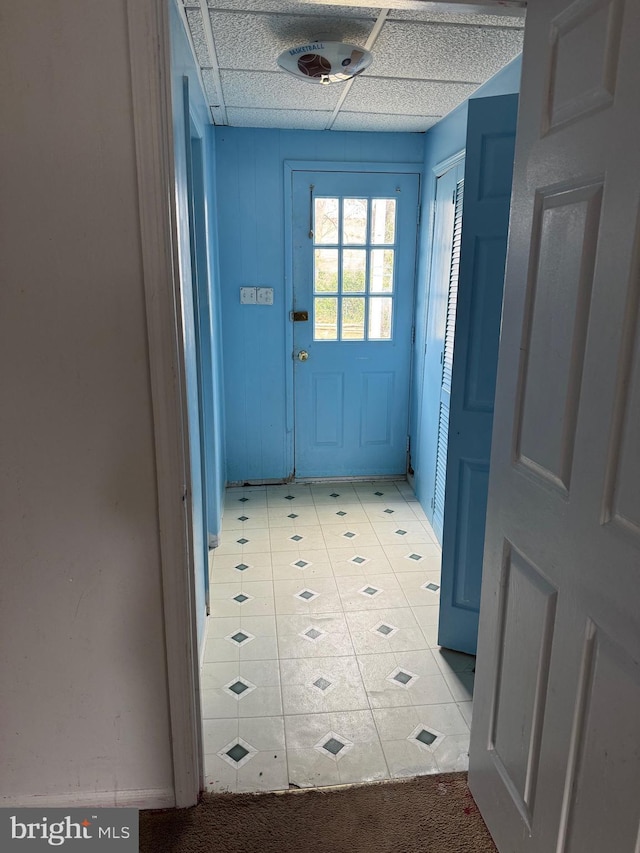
[(324, 662), (321, 664), (245, 666)]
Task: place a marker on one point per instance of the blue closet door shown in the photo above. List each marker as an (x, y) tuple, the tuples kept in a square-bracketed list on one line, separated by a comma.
[(354, 241), (485, 222)]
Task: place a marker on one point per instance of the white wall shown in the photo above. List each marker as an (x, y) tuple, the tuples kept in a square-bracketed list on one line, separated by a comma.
[(83, 692)]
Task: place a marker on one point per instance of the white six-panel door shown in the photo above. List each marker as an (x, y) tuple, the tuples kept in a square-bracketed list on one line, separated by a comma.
[(555, 754)]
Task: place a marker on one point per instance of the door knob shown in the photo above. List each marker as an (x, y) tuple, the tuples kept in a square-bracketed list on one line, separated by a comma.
[(303, 355)]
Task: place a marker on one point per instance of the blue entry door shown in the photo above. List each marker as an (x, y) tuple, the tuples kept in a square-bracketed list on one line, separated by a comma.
[(354, 242), (485, 224)]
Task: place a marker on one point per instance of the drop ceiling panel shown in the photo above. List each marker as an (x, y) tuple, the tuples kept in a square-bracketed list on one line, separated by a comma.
[(291, 119), (444, 52), (196, 26), (291, 7), (255, 41), (425, 62), (210, 88), (457, 18), (386, 123), (276, 91), (406, 97)]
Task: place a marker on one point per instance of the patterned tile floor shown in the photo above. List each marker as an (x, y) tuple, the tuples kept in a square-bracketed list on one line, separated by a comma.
[(321, 664)]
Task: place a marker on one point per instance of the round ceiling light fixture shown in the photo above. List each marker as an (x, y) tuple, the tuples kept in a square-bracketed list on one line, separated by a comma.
[(325, 62)]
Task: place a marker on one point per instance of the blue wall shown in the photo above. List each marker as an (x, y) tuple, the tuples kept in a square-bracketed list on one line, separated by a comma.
[(197, 252), (257, 355), (444, 140)]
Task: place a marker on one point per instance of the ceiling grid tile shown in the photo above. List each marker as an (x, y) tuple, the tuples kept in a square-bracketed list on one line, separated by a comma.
[(425, 62), (196, 25)]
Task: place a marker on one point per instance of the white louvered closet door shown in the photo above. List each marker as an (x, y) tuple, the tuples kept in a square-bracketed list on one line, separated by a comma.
[(447, 361)]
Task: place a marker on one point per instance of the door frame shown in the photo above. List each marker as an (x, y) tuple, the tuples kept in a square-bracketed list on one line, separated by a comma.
[(195, 133), (149, 53), (291, 166)]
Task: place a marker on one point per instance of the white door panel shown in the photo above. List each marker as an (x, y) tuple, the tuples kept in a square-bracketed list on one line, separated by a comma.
[(555, 755)]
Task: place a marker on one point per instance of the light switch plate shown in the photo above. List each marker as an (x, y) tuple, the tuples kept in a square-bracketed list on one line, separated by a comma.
[(264, 295), (248, 295)]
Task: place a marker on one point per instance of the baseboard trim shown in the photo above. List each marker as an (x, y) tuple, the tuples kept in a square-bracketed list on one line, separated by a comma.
[(378, 478), (369, 478), (249, 484), (152, 798)]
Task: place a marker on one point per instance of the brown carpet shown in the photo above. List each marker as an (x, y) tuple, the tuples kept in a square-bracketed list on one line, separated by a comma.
[(428, 814)]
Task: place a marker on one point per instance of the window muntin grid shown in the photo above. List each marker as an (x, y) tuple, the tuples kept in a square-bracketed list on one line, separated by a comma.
[(353, 277)]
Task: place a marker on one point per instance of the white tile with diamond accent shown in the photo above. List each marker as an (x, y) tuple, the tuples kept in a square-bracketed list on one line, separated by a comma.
[(334, 495), (307, 595), (347, 533), (389, 511), (355, 560), (321, 663), (336, 748), (292, 496), (241, 601), (256, 589), (241, 520), (220, 563), (421, 589), (304, 564), (403, 678), (253, 541), (347, 515), (385, 491), (406, 759), (392, 629), (243, 689), (296, 539), (413, 557), (371, 592), (245, 501), (261, 642), (288, 516), (245, 755), (413, 738), (402, 533), (298, 676), (319, 635)]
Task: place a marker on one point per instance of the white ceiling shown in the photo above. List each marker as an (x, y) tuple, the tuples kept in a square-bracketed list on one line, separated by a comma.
[(427, 58)]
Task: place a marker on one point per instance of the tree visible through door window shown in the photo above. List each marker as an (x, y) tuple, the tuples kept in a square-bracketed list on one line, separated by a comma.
[(353, 268)]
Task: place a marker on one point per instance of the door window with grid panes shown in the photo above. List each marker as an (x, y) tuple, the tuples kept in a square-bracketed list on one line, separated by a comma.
[(354, 251)]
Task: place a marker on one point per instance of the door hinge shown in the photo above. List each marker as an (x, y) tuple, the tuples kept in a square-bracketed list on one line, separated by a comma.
[(413, 334), (433, 503), (408, 443), (419, 215)]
